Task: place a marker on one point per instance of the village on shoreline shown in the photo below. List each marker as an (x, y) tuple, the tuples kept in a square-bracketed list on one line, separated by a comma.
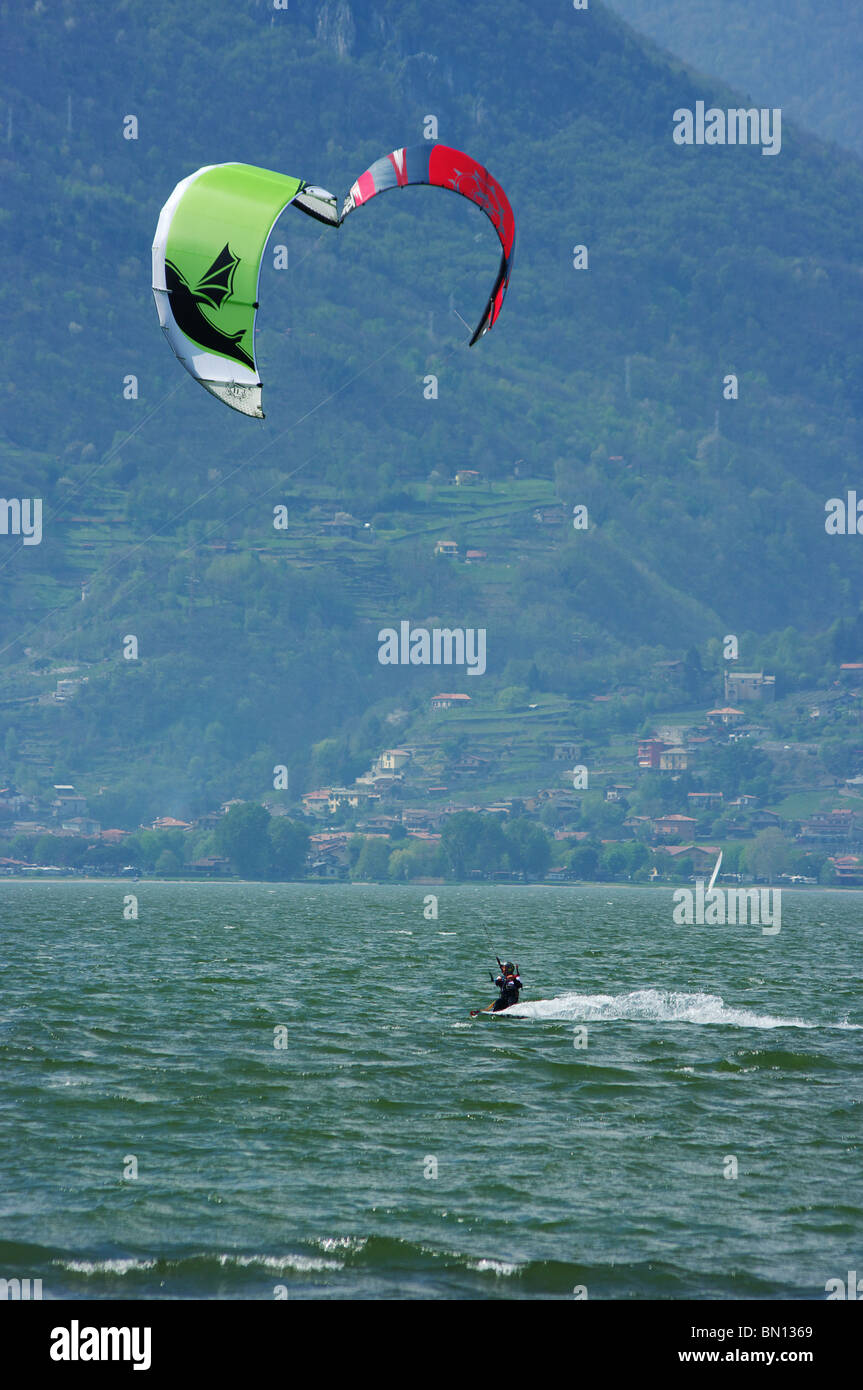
[(413, 816)]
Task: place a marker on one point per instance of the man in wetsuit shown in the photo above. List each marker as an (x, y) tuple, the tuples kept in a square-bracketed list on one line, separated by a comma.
[(509, 983)]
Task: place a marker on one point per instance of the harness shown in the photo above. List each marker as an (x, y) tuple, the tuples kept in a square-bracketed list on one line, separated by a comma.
[(509, 986)]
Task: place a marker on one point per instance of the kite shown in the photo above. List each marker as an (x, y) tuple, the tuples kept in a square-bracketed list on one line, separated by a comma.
[(213, 231), (444, 167), (207, 263)]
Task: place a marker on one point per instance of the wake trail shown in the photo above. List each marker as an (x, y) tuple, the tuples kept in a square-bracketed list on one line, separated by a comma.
[(653, 1006)]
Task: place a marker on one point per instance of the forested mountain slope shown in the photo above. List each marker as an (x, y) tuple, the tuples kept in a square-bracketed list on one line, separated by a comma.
[(601, 386), (799, 54)]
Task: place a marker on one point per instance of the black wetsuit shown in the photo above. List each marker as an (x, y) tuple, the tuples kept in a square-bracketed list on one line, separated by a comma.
[(509, 986)]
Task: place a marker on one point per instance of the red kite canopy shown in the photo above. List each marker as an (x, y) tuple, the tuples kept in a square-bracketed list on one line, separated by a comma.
[(445, 167)]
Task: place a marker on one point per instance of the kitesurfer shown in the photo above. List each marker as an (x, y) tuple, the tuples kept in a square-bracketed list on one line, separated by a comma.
[(509, 983)]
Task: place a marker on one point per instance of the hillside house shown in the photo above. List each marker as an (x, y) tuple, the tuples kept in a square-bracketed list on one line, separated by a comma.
[(727, 716), (14, 866), (81, 825), (416, 818), (704, 801), (449, 701), (213, 865), (749, 685), (65, 691), (827, 827), (673, 825), (703, 856), (10, 800), (355, 797), (649, 752), (342, 524), (672, 734), (674, 760), (847, 867), (394, 759), (68, 803)]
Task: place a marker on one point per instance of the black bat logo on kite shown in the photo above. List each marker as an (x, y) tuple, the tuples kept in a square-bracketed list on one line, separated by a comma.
[(215, 286), (217, 283)]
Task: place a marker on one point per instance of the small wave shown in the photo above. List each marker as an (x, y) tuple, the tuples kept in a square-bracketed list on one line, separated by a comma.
[(301, 1264), (104, 1266), (777, 1059), (330, 1243), (500, 1267), (649, 1005)]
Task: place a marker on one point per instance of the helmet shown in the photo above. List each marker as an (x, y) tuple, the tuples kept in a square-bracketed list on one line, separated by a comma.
[(509, 968)]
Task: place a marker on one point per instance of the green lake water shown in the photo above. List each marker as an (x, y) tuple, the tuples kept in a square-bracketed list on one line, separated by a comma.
[(309, 1169)]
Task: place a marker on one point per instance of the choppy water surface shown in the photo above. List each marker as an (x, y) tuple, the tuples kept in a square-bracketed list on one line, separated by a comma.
[(309, 1166)]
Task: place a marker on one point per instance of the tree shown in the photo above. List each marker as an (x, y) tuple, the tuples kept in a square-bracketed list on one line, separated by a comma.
[(145, 847), (374, 860), (739, 767), (612, 861), (107, 856), (242, 837), (493, 848), (840, 756), (584, 861), (603, 816), (289, 845), (693, 675), (420, 859), (330, 762), (636, 854), (768, 855), (460, 837), (64, 851), (528, 846)]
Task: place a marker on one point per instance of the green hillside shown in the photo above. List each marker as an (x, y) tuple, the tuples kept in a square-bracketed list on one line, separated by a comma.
[(798, 54), (601, 387)]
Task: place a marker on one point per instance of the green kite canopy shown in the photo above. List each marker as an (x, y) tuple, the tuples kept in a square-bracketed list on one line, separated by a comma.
[(206, 267)]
